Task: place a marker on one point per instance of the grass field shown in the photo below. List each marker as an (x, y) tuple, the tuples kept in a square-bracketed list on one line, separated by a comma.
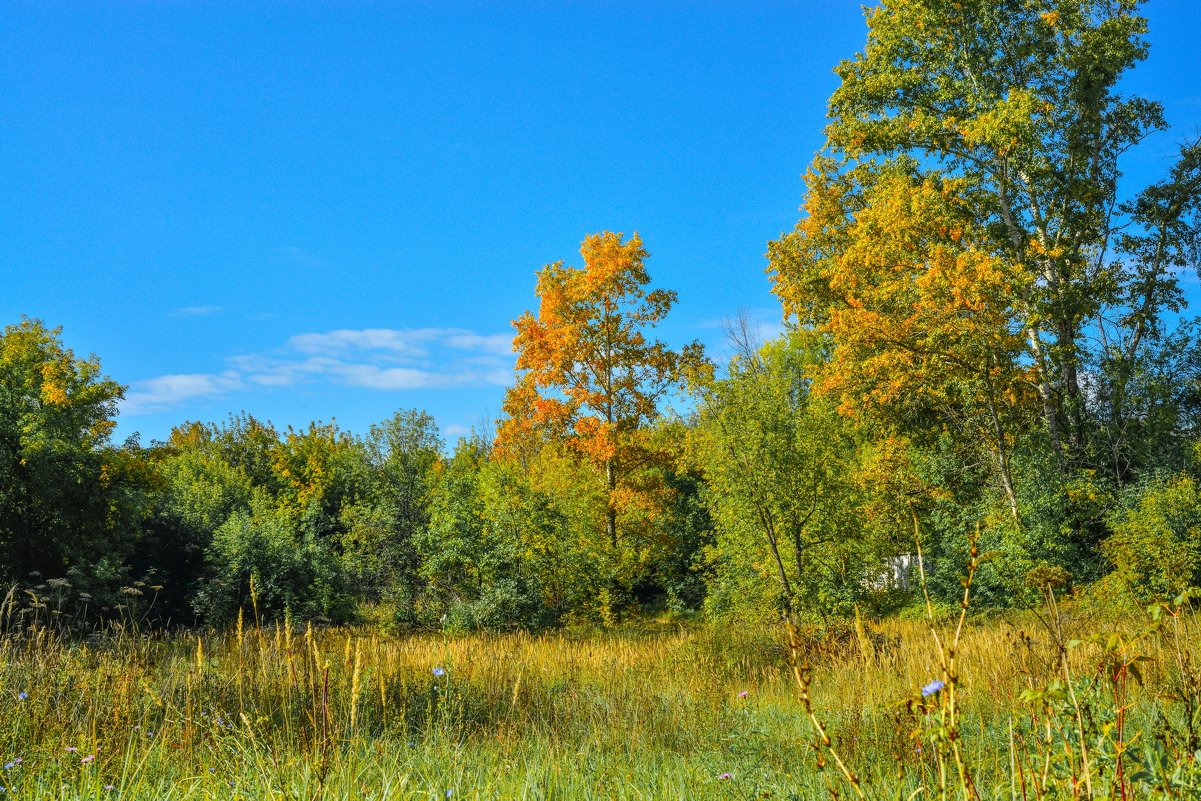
[(700, 712)]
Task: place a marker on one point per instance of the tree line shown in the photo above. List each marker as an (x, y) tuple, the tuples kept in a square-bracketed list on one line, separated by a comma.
[(985, 345)]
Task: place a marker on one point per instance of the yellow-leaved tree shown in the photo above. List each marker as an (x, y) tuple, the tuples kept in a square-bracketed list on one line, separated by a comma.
[(890, 266)]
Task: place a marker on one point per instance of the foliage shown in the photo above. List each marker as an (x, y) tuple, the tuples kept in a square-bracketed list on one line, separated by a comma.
[(898, 277), (1018, 101), (69, 501), (780, 467), (1155, 546), (291, 568), (989, 290), (591, 384), (477, 570), (242, 501), (402, 455)]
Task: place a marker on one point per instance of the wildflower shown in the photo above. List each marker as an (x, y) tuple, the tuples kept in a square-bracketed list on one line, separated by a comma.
[(21, 696), (109, 787), (449, 793), (88, 758), (726, 776), (743, 694), (439, 672), (72, 749), (931, 688)]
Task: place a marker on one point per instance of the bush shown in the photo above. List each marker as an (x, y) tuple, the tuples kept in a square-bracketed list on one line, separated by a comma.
[(1155, 547)]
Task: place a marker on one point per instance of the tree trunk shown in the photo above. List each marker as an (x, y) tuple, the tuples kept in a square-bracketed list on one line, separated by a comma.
[(611, 510)]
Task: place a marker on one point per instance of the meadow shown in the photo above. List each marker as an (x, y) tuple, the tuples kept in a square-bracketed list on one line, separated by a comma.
[(698, 711)]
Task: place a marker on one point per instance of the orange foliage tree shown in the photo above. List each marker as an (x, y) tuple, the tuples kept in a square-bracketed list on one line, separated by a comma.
[(590, 379)]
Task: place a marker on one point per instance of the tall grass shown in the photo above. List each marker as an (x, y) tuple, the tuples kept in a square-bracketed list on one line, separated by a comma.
[(294, 712)]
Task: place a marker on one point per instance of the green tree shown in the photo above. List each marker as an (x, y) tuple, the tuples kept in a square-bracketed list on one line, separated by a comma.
[(404, 453), (779, 465), (293, 568), (278, 510), (477, 568), (64, 499), (990, 288)]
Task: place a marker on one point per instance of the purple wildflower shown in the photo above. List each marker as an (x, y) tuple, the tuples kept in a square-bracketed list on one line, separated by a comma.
[(932, 688), (743, 694), (439, 672), (21, 696), (72, 749), (726, 776), (88, 758)]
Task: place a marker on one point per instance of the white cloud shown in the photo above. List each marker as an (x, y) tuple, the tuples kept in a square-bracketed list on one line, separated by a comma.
[(167, 391), (384, 359), (456, 430), (403, 342), (498, 344), (197, 311)]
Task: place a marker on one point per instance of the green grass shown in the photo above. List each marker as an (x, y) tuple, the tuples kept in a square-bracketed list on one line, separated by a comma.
[(352, 714)]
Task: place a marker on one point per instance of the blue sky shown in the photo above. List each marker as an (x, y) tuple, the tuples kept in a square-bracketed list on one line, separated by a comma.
[(334, 210)]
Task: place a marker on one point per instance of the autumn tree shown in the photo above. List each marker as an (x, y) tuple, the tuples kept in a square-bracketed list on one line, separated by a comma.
[(988, 284), (591, 381), (891, 268), (1014, 106)]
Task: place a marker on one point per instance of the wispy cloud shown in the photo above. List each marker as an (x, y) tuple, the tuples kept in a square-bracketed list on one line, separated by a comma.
[(402, 342), (301, 256), (499, 344), (371, 358), (197, 311), (761, 324), (455, 430), (169, 391)]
